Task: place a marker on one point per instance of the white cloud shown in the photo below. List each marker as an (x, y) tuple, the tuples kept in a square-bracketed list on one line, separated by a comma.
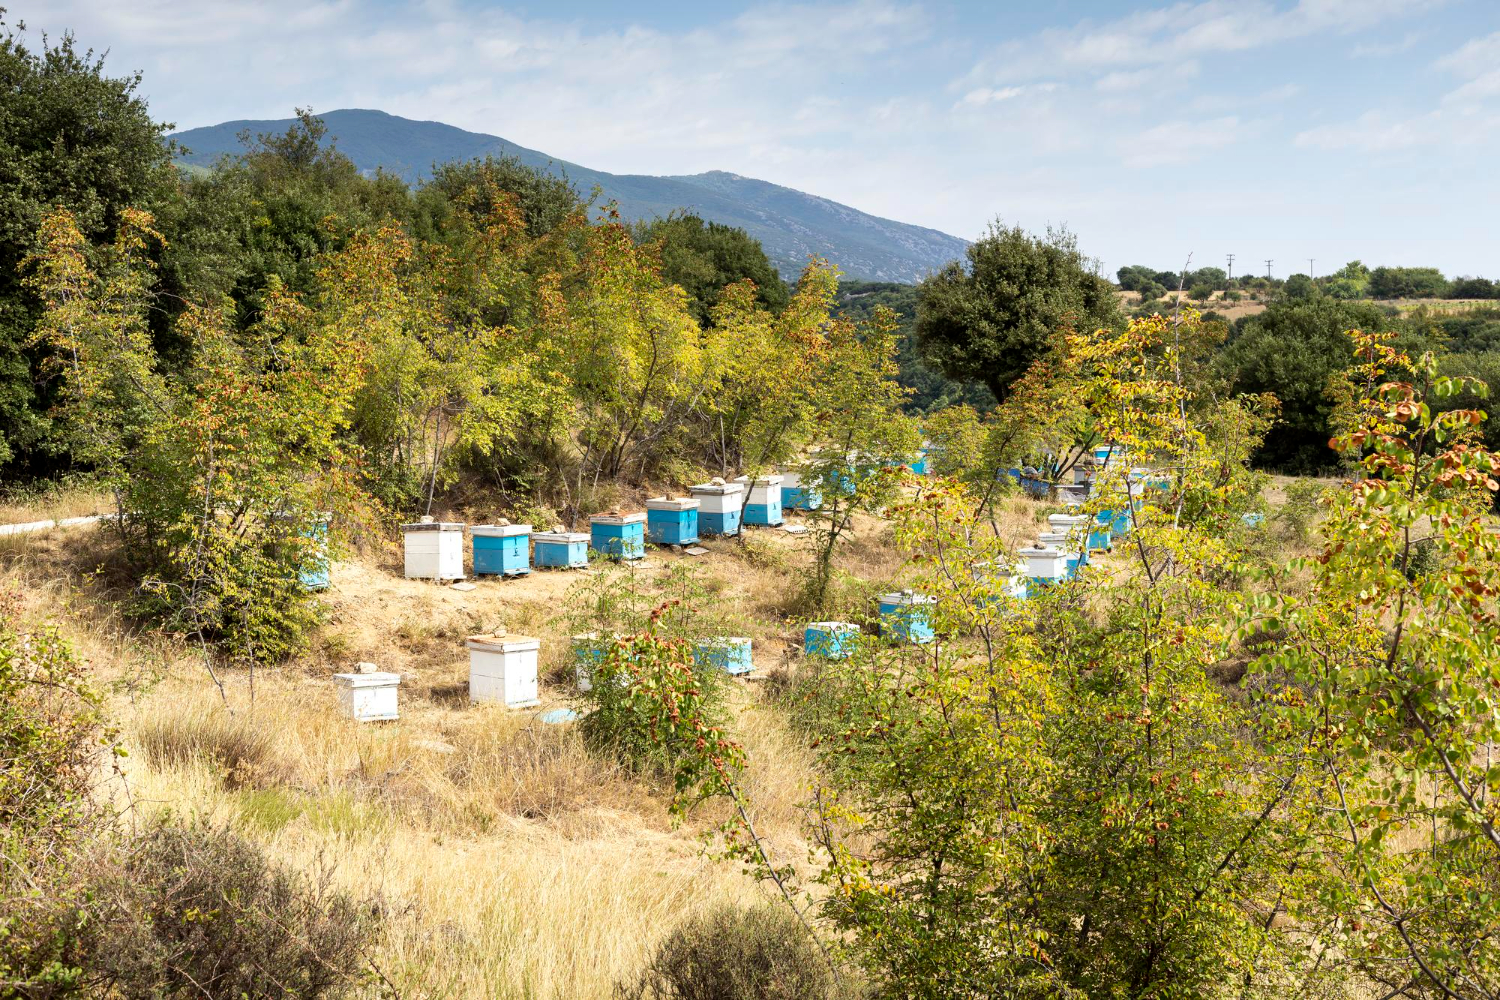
[(1177, 142)]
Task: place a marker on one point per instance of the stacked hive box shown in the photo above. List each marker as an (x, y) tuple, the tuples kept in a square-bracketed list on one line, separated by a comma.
[(672, 520), (434, 550), (719, 507)]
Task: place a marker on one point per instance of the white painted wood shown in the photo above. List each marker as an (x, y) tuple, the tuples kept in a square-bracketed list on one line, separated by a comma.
[(503, 668), (368, 697)]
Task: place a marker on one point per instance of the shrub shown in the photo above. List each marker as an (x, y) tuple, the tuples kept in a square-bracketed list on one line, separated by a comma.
[(240, 753), (735, 953), (201, 912)]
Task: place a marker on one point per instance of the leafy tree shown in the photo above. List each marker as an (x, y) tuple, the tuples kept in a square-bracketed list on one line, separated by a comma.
[(1407, 283), (705, 257), (1292, 350), (1134, 277), (1387, 673), (1473, 288), (930, 389), (989, 322), (1201, 292), (1299, 286), (221, 472), (70, 136), (544, 200), (1214, 277)]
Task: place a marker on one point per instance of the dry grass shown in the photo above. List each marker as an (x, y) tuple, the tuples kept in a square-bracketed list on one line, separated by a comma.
[(53, 503), (512, 862)]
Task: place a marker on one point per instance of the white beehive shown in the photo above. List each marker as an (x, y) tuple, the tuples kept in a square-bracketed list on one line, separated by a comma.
[(1076, 525), (1053, 539), (503, 668), (368, 697), (434, 550), (1045, 563)]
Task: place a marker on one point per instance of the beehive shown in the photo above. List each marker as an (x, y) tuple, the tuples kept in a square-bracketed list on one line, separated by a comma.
[(1045, 564), (797, 496), (560, 549), (833, 640), (313, 573), (368, 697), (907, 615), (719, 507), (731, 654), (672, 520), (502, 549), (503, 668), (763, 500), (434, 550), (619, 536)]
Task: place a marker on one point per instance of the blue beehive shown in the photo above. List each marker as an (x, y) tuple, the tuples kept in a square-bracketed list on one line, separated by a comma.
[(797, 496), (834, 640), (560, 549), (313, 573), (672, 521), (619, 536), (907, 615), (502, 549), (1101, 535), (730, 654), (762, 500), (719, 507), (1253, 519)]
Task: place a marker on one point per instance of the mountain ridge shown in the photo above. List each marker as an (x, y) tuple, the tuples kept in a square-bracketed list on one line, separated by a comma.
[(790, 224)]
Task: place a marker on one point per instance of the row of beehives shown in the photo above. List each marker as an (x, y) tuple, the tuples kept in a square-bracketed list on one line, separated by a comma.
[(503, 667), (435, 549)]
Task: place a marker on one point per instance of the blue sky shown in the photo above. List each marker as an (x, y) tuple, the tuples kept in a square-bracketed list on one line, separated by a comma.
[(1330, 129)]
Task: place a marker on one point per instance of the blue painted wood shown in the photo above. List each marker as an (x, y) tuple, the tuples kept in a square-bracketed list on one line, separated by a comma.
[(834, 640), (672, 527), (506, 554), (313, 573), (906, 617), (619, 537), (565, 550), (731, 655), (727, 523)]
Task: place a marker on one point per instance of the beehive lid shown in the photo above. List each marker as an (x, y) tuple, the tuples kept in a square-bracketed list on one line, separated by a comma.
[(1056, 553), (772, 480), (672, 503), (1066, 518), (379, 678), (564, 537), (717, 489), (500, 530), (636, 518), (906, 597), (502, 643), (434, 526), (833, 626)]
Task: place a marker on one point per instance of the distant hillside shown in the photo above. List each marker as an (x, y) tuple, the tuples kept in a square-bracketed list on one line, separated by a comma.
[(790, 225)]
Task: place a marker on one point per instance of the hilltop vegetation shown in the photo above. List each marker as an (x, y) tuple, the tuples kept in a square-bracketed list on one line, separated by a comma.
[(791, 225)]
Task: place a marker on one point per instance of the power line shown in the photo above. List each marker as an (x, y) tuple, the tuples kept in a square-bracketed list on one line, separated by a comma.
[(1231, 265), (1268, 268), (1310, 273)]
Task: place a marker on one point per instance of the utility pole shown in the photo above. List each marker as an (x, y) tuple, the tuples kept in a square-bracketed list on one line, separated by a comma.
[(1309, 268), (1231, 265), (1268, 269)]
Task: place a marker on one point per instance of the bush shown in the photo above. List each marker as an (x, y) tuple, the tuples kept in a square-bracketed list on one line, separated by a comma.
[(201, 912), (735, 953)]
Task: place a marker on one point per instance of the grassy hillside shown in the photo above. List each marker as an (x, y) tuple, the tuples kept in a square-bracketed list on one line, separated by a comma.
[(791, 225)]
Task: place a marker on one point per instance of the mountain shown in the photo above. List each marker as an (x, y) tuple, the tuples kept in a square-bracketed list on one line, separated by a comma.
[(790, 225)]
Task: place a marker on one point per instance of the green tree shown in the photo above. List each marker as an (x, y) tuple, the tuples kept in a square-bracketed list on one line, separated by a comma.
[(71, 136), (930, 388), (1407, 283), (1387, 672), (1299, 286), (705, 257), (989, 322), (545, 200), (1292, 350)]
